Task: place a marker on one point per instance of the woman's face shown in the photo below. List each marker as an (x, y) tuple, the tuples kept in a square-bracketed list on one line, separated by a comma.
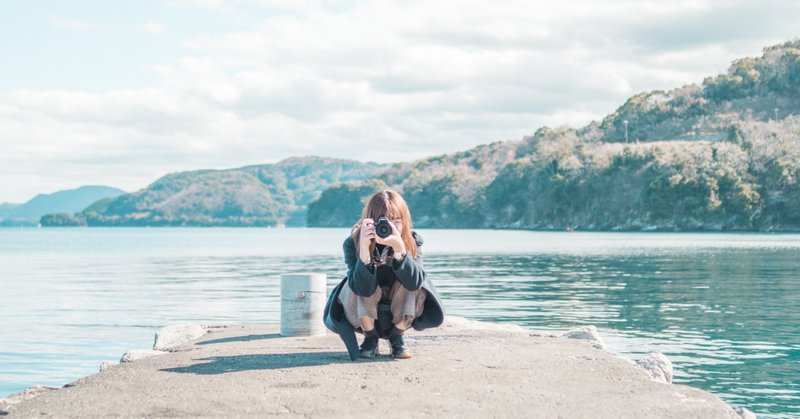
[(398, 223)]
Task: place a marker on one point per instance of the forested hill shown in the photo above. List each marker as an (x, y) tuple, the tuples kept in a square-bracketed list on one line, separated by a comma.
[(263, 195), (720, 155)]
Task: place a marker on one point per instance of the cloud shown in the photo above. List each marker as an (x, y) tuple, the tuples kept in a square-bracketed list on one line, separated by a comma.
[(371, 80), (69, 24), (212, 5), (152, 27)]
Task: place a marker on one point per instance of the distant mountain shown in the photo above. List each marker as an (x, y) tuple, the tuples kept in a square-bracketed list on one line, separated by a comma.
[(68, 201), (264, 195), (6, 208), (722, 155)]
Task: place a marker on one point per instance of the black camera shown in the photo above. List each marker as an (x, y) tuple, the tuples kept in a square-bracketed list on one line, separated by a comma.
[(383, 228)]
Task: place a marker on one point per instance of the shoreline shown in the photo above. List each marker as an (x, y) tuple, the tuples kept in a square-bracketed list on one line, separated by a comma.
[(570, 374), (663, 228)]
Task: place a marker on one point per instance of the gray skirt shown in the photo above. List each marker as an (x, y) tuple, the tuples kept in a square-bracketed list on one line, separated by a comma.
[(406, 305)]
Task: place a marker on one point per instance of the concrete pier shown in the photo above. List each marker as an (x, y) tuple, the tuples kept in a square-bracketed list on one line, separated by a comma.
[(463, 369)]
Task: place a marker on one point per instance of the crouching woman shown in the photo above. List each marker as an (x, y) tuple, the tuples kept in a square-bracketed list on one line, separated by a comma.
[(386, 290)]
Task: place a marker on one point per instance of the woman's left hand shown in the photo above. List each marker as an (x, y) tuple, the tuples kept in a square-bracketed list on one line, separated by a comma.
[(394, 240)]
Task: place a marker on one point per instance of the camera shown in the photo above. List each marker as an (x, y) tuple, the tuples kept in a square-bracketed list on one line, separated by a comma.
[(383, 228)]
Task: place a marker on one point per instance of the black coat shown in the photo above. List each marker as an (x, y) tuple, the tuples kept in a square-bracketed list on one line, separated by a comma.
[(363, 280)]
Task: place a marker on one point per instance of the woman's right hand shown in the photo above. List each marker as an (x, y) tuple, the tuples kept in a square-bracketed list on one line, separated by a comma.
[(367, 234)]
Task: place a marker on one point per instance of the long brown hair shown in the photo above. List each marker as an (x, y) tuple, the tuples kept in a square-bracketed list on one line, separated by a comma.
[(389, 204)]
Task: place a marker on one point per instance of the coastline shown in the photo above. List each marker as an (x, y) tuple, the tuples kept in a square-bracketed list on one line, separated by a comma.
[(463, 368), (628, 228)]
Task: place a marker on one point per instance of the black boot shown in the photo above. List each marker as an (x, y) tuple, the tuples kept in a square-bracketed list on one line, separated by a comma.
[(399, 350), (369, 347)]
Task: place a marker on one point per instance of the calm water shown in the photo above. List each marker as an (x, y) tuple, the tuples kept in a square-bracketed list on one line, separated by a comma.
[(723, 307)]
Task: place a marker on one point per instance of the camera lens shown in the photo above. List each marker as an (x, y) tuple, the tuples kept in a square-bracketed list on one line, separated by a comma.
[(383, 228)]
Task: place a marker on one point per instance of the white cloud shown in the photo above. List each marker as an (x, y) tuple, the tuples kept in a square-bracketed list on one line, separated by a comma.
[(371, 80), (214, 5), (152, 27), (69, 24)]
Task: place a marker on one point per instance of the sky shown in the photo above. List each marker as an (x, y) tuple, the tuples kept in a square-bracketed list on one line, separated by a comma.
[(122, 93)]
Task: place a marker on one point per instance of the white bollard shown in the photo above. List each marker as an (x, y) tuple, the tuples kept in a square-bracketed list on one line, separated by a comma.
[(302, 304)]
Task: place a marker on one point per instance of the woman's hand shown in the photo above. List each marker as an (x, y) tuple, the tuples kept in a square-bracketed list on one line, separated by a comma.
[(367, 234), (394, 240)]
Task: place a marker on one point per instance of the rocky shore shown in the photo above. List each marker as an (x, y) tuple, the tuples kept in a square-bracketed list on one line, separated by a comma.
[(464, 369)]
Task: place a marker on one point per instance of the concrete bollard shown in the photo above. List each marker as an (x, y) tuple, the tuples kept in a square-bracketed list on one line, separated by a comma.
[(302, 304)]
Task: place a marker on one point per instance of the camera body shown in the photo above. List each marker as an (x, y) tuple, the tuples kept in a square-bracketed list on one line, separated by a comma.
[(383, 227)]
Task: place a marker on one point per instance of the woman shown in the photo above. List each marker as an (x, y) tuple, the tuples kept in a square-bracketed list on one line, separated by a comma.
[(386, 290)]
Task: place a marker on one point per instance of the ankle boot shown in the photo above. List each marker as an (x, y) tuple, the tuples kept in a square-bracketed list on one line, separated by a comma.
[(399, 350), (369, 347)]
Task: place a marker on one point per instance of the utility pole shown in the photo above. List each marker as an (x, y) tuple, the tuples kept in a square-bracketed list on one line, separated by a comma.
[(625, 122)]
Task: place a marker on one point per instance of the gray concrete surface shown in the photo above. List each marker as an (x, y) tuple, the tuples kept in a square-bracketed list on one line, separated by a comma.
[(463, 369)]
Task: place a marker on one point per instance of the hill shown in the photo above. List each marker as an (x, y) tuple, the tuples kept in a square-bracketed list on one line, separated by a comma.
[(6, 208), (443, 189), (68, 201), (262, 195), (720, 155)]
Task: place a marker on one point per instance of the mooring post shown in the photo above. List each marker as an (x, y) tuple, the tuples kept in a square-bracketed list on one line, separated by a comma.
[(302, 304)]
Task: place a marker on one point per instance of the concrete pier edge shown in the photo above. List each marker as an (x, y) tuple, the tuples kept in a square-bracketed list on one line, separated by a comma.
[(174, 338)]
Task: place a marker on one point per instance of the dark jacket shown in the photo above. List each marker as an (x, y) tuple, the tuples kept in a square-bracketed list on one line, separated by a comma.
[(363, 280)]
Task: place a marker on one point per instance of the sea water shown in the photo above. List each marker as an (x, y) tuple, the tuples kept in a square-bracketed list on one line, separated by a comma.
[(723, 307)]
